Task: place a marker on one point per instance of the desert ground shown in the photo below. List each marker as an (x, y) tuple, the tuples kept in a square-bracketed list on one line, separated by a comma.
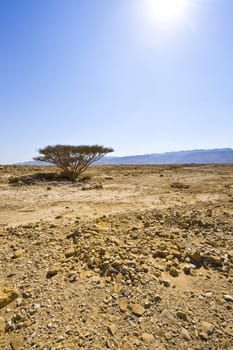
[(128, 258)]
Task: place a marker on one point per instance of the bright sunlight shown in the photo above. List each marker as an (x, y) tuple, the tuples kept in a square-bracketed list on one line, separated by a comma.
[(168, 10), (160, 19)]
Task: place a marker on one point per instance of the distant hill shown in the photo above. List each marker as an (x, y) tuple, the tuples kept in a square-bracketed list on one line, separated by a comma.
[(222, 155), (210, 156), (33, 162)]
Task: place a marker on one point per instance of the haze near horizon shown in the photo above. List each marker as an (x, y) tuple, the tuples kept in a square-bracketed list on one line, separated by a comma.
[(141, 76)]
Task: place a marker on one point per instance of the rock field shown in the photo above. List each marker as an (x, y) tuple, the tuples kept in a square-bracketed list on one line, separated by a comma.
[(132, 258)]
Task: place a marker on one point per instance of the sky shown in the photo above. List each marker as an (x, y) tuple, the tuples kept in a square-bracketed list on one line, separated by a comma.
[(126, 74)]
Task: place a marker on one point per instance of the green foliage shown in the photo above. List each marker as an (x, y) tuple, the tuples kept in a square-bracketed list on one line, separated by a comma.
[(73, 160)]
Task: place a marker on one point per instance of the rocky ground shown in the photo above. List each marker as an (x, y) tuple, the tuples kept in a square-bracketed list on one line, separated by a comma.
[(132, 257)]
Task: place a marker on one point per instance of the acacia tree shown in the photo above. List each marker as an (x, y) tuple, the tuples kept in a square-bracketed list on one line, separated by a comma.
[(73, 160)]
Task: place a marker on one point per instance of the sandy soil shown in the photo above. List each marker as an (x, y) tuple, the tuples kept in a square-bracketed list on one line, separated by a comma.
[(125, 188)]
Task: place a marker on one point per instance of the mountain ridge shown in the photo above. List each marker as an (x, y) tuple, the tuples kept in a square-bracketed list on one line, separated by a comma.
[(201, 156), (196, 156)]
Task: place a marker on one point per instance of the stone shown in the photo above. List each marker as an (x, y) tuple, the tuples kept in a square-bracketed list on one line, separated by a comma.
[(123, 305), (7, 295), (18, 253), (19, 302), (185, 334), (168, 335), (196, 257), (182, 315), (187, 269), (166, 283), (225, 268), (148, 338), (228, 298), (137, 309), (69, 252), (160, 254), (52, 270), (229, 330), (174, 272), (176, 254), (127, 345), (126, 293), (112, 329), (157, 298), (179, 185), (203, 336), (207, 327), (167, 316)]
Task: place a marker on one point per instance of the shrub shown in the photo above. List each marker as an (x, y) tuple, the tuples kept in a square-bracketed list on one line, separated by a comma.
[(72, 160)]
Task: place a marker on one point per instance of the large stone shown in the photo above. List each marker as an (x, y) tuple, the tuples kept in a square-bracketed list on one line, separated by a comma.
[(138, 309), (148, 338), (52, 270), (196, 256), (206, 330), (207, 327), (174, 272), (7, 295), (69, 252)]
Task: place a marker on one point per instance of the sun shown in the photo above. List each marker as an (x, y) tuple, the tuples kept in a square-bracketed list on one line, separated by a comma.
[(166, 11)]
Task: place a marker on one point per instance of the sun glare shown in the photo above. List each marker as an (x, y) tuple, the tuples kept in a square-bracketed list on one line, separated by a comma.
[(166, 12)]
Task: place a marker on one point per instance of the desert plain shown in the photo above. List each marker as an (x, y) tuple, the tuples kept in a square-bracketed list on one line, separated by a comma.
[(130, 258)]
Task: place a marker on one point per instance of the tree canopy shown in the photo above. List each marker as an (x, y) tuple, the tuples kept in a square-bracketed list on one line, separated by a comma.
[(73, 160)]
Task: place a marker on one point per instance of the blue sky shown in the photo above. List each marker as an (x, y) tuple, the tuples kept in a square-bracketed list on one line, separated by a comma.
[(94, 72)]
